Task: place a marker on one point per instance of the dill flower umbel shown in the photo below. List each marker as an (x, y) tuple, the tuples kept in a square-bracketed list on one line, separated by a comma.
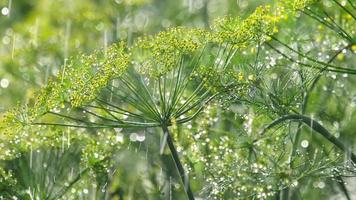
[(82, 77), (159, 54)]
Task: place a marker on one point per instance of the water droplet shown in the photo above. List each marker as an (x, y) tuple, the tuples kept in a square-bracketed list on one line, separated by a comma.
[(119, 138), (96, 155), (125, 117), (304, 143), (5, 11), (6, 40), (133, 137), (141, 137), (4, 83), (118, 130), (321, 184), (295, 183)]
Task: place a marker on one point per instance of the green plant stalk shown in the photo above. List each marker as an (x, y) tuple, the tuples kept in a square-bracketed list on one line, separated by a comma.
[(304, 108), (316, 127), (306, 97), (64, 190), (174, 153)]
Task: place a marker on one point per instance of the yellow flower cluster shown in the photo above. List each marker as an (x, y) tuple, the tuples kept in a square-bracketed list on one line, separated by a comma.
[(17, 138), (242, 33), (161, 53), (296, 5), (81, 79), (85, 76)]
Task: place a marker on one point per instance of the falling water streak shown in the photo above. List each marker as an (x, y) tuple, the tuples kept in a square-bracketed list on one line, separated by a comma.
[(112, 89), (163, 142), (68, 138), (139, 147), (64, 69), (161, 175), (13, 46), (311, 126), (103, 189), (71, 173), (186, 180), (36, 32), (62, 146), (9, 7), (31, 156), (170, 188), (146, 150), (66, 45), (106, 194), (47, 74), (93, 195), (66, 38), (30, 193), (105, 41), (117, 28), (130, 30), (190, 5), (114, 172), (230, 57)]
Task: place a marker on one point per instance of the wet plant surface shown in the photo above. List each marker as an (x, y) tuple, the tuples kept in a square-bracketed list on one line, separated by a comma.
[(149, 99)]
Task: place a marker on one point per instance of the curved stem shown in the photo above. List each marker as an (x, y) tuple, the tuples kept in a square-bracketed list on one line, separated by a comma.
[(342, 186), (64, 190), (306, 95), (182, 174), (316, 126)]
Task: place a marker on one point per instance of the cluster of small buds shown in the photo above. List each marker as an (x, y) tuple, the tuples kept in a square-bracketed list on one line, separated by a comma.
[(82, 78), (243, 33), (159, 54)]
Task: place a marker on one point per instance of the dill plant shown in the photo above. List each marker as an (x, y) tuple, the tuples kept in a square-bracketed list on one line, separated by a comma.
[(202, 78)]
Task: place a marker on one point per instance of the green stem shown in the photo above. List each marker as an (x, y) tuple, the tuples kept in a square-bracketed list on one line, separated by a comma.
[(306, 98), (182, 174), (64, 190), (316, 127)]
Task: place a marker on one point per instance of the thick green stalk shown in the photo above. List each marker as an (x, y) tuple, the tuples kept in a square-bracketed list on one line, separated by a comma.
[(182, 174)]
